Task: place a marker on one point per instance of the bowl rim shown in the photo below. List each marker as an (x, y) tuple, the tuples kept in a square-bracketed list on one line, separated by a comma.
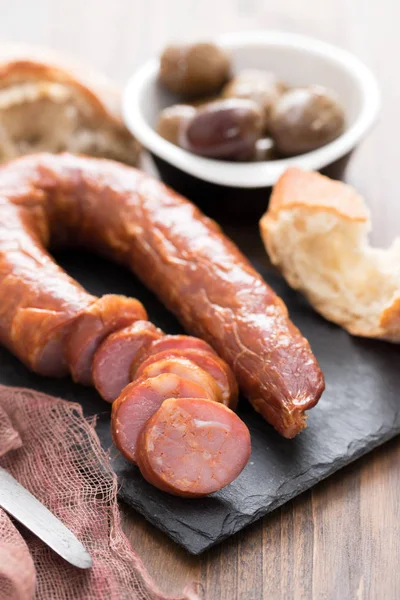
[(257, 174)]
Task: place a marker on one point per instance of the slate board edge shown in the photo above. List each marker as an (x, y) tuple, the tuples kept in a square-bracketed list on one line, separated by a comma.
[(204, 544)]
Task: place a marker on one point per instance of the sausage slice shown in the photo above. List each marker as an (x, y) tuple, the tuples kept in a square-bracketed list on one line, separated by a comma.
[(106, 315), (181, 342), (113, 358), (171, 342), (211, 363), (192, 447), (139, 400), (186, 369)]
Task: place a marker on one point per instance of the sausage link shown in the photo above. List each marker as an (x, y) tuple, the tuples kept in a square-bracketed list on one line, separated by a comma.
[(113, 358), (192, 447), (104, 316), (139, 400), (180, 254)]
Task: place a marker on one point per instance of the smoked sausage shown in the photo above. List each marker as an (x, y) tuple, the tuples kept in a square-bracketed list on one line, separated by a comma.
[(186, 369), (181, 343), (38, 300), (112, 361), (104, 316), (210, 363), (179, 253), (139, 400), (192, 447)]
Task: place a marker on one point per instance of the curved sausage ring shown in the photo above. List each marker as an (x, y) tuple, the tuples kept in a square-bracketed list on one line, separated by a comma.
[(54, 326)]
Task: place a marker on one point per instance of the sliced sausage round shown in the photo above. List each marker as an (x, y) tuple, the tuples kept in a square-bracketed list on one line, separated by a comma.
[(171, 342), (211, 363), (106, 315), (139, 400), (192, 447), (113, 358), (186, 369), (181, 342)]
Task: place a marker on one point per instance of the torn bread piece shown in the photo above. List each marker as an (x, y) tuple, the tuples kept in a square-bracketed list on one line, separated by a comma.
[(316, 231), (49, 104)]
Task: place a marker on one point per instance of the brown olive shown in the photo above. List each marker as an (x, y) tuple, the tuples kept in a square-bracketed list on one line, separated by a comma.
[(265, 150), (201, 101), (226, 129), (260, 86), (304, 119), (171, 120), (194, 70)]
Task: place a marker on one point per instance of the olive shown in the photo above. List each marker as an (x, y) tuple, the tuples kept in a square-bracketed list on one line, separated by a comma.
[(171, 120), (200, 101), (197, 69), (304, 119), (226, 129), (262, 87), (265, 150)]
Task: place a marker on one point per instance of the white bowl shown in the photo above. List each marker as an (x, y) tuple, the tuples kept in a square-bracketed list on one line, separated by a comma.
[(297, 60)]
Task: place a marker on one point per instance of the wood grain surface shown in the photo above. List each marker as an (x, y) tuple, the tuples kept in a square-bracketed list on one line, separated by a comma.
[(341, 540)]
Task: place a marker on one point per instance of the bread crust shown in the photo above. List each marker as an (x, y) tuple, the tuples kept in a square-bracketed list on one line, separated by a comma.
[(304, 189), (299, 196), (21, 64), (23, 71)]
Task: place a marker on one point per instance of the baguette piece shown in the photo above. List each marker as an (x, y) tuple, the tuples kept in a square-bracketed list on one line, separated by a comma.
[(49, 104), (316, 231)]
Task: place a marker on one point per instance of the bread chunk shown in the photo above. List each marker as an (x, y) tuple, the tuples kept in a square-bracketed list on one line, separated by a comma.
[(316, 231), (48, 104)]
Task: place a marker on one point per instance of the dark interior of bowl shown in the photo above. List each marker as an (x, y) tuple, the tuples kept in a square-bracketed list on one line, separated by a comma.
[(231, 203)]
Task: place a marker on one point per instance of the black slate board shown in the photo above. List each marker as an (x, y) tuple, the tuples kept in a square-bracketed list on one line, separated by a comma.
[(359, 410)]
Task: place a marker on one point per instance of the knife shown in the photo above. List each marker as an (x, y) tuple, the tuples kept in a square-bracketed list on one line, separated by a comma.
[(25, 508)]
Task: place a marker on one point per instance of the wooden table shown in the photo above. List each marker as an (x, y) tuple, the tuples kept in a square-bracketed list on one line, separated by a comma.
[(341, 540)]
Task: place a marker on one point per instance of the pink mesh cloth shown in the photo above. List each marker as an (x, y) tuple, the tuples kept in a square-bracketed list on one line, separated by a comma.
[(49, 447)]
